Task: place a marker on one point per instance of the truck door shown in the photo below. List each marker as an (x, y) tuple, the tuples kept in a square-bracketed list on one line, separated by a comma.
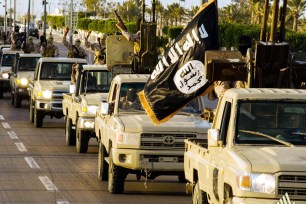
[(218, 159)]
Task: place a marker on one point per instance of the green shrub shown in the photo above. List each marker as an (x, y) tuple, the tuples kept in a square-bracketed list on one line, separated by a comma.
[(173, 32)]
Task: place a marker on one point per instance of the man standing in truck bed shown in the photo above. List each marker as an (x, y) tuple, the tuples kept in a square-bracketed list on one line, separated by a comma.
[(75, 51), (98, 48)]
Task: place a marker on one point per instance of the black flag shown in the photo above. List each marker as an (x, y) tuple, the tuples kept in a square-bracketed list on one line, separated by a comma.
[(180, 75)]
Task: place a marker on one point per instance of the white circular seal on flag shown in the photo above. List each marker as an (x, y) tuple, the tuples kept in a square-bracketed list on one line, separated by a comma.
[(190, 77)]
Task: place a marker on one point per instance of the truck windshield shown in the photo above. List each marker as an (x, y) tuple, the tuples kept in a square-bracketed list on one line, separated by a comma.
[(8, 59), (129, 101), (283, 120), (193, 107), (27, 63), (96, 81), (56, 71)]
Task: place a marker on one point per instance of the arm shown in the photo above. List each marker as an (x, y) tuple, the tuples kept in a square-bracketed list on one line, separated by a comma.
[(65, 42), (87, 43), (129, 36)]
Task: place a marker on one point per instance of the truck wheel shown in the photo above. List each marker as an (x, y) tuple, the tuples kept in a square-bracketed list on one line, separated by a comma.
[(12, 98), (1, 94), (198, 196), (31, 111), (102, 164), (17, 100), (69, 132), (82, 139), (38, 118), (181, 178), (228, 195), (116, 177)]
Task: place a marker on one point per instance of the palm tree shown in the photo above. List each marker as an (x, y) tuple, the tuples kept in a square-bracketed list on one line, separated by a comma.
[(296, 9)]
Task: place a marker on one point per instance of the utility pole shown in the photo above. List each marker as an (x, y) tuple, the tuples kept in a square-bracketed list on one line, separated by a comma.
[(70, 23), (29, 17), (45, 16), (10, 16), (5, 16), (14, 21)]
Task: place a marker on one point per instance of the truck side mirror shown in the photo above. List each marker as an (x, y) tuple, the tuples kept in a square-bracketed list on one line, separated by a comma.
[(213, 137), (104, 108), (72, 88)]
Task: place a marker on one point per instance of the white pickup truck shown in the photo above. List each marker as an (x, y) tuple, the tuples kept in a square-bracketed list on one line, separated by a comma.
[(255, 151), (51, 79), (130, 143), (80, 105), (6, 65), (23, 72)]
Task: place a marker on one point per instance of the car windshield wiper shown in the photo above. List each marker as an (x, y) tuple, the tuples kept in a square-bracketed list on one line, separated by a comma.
[(267, 136)]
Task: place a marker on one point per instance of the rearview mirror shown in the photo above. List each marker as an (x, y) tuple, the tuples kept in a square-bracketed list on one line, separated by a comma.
[(213, 137), (72, 89), (104, 108)]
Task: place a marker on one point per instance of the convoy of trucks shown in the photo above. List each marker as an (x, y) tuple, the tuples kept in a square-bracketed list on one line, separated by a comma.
[(252, 152)]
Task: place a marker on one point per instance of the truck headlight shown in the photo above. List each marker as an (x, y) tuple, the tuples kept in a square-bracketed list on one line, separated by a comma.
[(5, 76), (257, 182), (45, 94), (23, 81), (90, 109), (128, 138)]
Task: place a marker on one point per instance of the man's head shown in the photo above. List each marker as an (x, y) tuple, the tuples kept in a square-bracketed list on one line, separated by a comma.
[(103, 39), (77, 43), (30, 39), (50, 40), (131, 94)]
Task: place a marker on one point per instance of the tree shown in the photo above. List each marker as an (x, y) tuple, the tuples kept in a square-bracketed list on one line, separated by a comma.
[(91, 5), (295, 10)]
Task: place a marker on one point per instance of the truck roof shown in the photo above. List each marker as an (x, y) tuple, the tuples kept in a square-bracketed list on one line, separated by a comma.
[(30, 55), (11, 51), (132, 78), (62, 59), (265, 93), (96, 67)]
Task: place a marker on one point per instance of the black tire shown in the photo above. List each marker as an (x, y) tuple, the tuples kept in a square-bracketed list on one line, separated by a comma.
[(116, 177), (12, 98), (102, 164), (82, 139), (17, 100), (1, 94), (31, 111), (181, 178), (198, 196), (228, 195), (38, 118), (69, 133)]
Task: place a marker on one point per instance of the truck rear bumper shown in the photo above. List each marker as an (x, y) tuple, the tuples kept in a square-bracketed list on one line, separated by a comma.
[(53, 106), (155, 160), (260, 200)]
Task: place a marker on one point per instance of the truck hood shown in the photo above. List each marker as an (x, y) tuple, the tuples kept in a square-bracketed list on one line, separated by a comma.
[(55, 85), (5, 69), (179, 123), (26, 74), (275, 159), (94, 98)]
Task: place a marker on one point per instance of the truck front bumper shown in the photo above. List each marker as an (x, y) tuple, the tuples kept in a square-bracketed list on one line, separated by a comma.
[(49, 106), (86, 123), (22, 91), (237, 200), (155, 160)]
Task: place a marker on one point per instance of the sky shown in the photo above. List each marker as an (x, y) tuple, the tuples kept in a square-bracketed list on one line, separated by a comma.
[(22, 5)]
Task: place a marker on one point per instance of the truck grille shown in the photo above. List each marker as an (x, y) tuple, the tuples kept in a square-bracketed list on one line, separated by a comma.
[(164, 141), (58, 95), (294, 185)]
